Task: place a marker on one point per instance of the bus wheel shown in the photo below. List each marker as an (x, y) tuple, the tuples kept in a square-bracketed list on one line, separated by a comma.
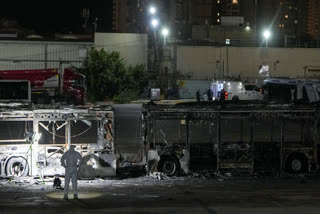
[(17, 166), (169, 165), (297, 163)]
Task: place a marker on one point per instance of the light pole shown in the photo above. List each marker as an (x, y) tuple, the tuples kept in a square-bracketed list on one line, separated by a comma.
[(165, 33), (266, 35), (154, 24)]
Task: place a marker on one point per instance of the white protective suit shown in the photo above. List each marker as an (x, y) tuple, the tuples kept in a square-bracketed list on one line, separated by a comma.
[(71, 160)]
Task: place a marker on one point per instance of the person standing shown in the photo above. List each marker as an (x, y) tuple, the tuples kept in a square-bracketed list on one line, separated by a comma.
[(198, 95), (222, 95), (209, 94), (71, 160)]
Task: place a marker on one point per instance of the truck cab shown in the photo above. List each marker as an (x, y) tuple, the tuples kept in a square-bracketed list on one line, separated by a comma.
[(74, 86), (51, 84)]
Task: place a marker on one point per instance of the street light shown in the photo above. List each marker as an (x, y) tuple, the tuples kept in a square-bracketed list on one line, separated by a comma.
[(165, 33), (266, 35), (154, 23), (152, 10)]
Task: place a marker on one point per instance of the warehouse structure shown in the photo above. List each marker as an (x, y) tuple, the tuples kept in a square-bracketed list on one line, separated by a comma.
[(194, 62)]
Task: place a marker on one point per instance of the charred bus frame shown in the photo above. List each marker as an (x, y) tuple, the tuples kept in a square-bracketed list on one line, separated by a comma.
[(242, 137), (37, 151)]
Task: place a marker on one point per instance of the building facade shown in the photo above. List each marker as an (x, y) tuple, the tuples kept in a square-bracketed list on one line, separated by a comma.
[(313, 18), (290, 21)]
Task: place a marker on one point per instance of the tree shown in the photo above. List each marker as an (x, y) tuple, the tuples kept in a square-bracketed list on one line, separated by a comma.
[(136, 80), (108, 78)]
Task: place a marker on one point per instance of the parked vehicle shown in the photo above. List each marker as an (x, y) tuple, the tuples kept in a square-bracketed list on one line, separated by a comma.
[(234, 90), (49, 84), (33, 139), (287, 90), (232, 136)]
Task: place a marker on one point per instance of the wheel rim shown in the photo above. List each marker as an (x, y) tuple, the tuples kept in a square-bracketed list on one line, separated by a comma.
[(168, 167), (17, 169), (296, 165)]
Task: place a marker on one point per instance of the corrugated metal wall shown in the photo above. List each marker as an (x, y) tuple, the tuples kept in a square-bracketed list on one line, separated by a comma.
[(198, 62), (43, 54), (207, 63)]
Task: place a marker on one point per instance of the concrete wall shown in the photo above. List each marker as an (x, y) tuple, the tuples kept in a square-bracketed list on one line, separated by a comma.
[(207, 63), (41, 54), (189, 88), (238, 36), (132, 47)]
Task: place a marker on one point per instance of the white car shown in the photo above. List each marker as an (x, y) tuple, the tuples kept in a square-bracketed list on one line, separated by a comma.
[(235, 90)]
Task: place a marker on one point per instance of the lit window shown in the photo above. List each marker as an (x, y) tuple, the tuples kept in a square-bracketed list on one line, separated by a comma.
[(234, 1), (286, 16)]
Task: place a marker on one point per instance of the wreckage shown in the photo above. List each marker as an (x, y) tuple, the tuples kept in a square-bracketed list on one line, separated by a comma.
[(242, 136), (239, 136), (276, 134), (33, 139)]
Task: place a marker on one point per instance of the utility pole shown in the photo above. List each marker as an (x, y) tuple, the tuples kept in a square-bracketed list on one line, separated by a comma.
[(95, 23)]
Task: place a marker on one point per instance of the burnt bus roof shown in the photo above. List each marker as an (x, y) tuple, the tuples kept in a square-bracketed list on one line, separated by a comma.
[(289, 81), (284, 81), (229, 105)]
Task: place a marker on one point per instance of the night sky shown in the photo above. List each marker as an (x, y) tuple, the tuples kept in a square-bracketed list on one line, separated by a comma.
[(57, 16)]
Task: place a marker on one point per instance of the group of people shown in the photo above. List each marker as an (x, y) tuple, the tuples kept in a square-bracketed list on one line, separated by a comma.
[(209, 95)]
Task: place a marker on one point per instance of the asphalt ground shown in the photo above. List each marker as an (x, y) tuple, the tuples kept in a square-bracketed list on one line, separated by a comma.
[(198, 193)]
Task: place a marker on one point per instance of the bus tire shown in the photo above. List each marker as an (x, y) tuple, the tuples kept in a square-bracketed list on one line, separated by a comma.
[(169, 165), (17, 166), (296, 163)]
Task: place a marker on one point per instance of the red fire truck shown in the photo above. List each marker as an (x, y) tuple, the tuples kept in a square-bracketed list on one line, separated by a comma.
[(50, 84)]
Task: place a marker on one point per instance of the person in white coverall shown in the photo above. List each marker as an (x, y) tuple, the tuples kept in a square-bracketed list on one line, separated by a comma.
[(71, 160)]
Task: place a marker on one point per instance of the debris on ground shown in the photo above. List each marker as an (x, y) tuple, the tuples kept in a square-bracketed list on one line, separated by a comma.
[(204, 174), (158, 175), (131, 171)]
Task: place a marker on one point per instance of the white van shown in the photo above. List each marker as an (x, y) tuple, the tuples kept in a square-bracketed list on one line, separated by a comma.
[(235, 90)]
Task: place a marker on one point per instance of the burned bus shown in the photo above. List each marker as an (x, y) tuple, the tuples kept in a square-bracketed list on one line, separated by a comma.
[(33, 139), (242, 137)]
